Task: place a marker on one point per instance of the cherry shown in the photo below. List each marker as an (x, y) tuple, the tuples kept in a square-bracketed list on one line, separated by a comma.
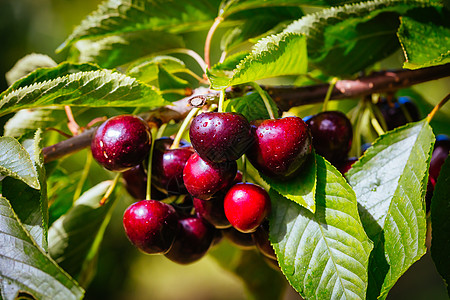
[(261, 239), (121, 142), (246, 205), (212, 211), (192, 241), (242, 240), (151, 225), (168, 165), (220, 137), (136, 184), (281, 147), (332, 134), (438, 157), (203, 179), (394, 112)]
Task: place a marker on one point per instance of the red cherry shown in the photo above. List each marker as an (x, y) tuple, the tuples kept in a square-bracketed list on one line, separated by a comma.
[(151, 225), (246, 205), (281, 147)]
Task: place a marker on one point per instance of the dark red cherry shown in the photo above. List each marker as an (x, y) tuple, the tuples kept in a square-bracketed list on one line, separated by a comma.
[(121, 142), (346, 165), (240, 239), (168, 165), (136, 184), (203, 179), (332, 135), (261, 239), (151, 225), (192, 241), (220, 137), (395, 112), (212, 211), (246, 205), (281, 147)]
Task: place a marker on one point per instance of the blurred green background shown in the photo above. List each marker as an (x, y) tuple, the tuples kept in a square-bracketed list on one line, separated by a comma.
[(39, 26)]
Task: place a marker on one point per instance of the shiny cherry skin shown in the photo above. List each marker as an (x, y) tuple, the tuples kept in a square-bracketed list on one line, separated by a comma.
[(136, 184), (203, 179), (220, 137), (151, 226), (261, 239), (192, 241), (168, 165), (394, 111), (281, 147), (121, 142), (212, 211), (332, 135), (246, 205)]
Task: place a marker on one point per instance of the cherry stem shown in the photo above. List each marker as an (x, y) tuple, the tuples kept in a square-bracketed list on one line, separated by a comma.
[(374, 121), (95, 121), (184, 125), (221, 100), (160, 132), (192, 54), (244, 169), (110, 189), (84, 175), (59, 131), (148, 193), (211, 31), (72, 124), (437, 107), (328, 94), (263, 96)]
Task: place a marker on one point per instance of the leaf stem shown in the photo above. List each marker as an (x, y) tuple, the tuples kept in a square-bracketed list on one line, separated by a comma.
[(211, 31), (148, 193), (221, 100), (72, 124), (110, 189), (328, 94), (264, 98), (84, 175), (184, 125), (192, 54), (437, 107)]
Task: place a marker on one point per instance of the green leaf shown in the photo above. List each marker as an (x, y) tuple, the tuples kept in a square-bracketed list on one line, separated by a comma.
[(251, 106), (440, 224), (168, 81), (28, 120), (100, 88), (75, 237), (114, 17), (260, 280), (25, 267), (323, 255), (16, 162), (276, 55), (344, 40), (29, 204), (28, 64), (146, 70), (302, 188), (116, 50), (390, 183), (416, 34)]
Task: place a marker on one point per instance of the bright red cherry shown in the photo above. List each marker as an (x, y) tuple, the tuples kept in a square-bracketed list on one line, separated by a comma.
[(332, 135), (121, 142), (151, 225), (220, 137), (246, 205), (281, 147), (203, 179), (168, 165), (192, 241)]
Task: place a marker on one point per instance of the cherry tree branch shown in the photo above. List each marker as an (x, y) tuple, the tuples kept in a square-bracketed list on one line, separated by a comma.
[(285, 97)]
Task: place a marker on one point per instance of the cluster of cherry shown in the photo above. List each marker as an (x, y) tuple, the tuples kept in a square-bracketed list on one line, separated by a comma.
[(212, 200)]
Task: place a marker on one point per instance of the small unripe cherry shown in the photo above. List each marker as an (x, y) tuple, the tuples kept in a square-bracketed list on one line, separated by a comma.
[(246, 205)]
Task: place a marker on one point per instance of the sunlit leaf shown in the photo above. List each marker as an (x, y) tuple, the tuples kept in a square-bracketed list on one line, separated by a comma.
[(251, 106), (146, 70), (28, 120), (28, 64), (390, 183)]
